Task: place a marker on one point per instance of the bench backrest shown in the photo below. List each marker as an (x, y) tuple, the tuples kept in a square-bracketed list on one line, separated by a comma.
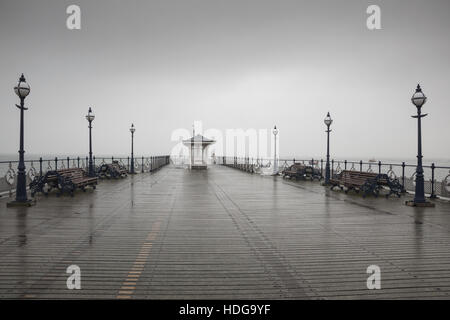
[(117, 167), (356, 177), (296, 167), (74, 173)]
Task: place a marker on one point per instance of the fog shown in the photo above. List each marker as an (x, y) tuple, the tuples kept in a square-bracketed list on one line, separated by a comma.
[(230, 64)]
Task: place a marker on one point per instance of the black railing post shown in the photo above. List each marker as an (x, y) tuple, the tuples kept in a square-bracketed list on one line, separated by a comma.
[(345, 164), (321, 167), (142, 165), (56, 163), (40, 166), (360, 165), (68, 162), (78, 162), (332, 168), (379, 167), (433, 193), (403, 177)]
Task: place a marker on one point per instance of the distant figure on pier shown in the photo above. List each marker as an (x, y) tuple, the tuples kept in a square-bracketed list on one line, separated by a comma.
[(197, 147)]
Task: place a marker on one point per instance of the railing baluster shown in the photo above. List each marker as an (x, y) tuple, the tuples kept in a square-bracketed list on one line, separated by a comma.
[(433, 194), (332, 167), (403, 177)]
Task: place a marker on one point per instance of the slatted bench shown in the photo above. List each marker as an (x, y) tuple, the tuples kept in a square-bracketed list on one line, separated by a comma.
[(301, 171), (313, 173), (365, 182), (65, 180), (51, 179), (77, 179), (112, 170), (295, 171)]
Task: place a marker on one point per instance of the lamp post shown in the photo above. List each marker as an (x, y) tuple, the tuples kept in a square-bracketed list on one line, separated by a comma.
[(275, 162), (90, 117), (419, 99), (328, 121), (22, 89), (132, 130)]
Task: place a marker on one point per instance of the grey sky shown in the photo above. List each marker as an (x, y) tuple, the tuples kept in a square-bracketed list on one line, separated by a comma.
[(231, 64)]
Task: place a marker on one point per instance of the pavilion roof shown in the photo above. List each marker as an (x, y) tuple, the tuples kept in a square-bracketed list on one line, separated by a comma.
[(198, 139)]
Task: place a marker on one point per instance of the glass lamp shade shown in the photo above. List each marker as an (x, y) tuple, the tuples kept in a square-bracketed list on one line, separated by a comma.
[(328, 121), (132, 129), (22, 89), (418, 98), (275, 130), (90, 116)]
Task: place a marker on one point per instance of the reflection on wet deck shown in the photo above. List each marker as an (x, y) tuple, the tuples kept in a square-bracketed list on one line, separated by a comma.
[(222, 233)]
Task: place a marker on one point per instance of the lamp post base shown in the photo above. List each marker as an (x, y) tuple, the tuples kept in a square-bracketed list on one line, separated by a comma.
[(425, 204), (27, 203)]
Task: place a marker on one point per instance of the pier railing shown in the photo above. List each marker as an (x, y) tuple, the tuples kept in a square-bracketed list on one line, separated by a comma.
[(37, 167), (437, 178)]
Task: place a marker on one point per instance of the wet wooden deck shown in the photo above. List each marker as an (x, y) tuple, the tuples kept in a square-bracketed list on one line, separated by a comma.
[(222, 233)]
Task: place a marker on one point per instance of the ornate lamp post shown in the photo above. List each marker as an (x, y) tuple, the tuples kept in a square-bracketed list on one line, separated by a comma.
[(90, 117), (132, 130), (22, 89), (419, 99), (328, 121), (275, 162)]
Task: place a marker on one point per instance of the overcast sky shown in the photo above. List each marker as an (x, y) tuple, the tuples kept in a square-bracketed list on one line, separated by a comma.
[(231, 64)]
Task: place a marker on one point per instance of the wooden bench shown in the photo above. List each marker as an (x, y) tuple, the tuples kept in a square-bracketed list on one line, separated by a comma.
[(313, 173), (77, 179), (64, 180), (295, 171), (301, 171), (366, 182), (112, 170), (50, 179)]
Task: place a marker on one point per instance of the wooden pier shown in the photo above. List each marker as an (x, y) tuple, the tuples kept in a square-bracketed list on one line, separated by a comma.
[(222, 233)]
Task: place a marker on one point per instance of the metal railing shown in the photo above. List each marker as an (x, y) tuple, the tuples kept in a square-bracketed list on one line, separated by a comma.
[(437, 178), (39, 167)]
